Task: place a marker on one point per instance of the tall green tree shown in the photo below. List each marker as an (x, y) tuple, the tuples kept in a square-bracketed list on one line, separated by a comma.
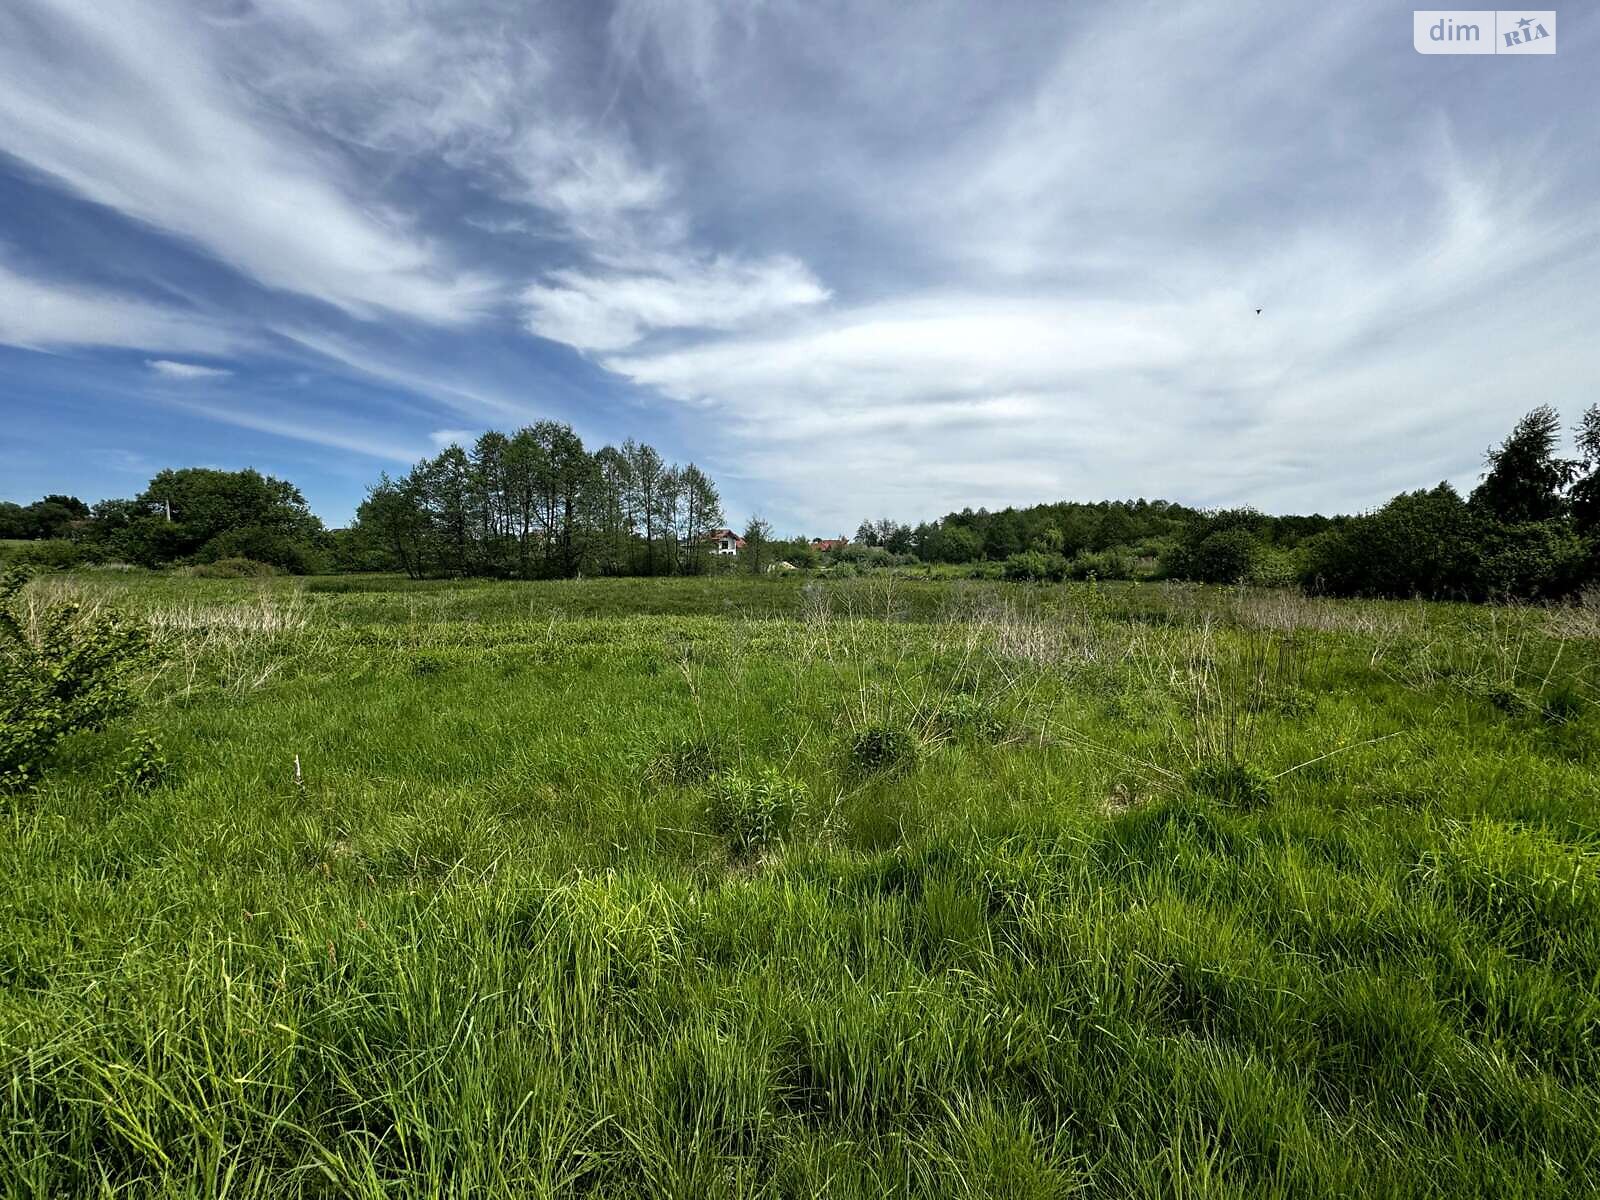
[(1585, 494), (524, 466), (1525, 478), (393, 516), (700, 511), (490, 512), (204, 514), (445, 485), (645, 470), (613, 530), (757, 535)]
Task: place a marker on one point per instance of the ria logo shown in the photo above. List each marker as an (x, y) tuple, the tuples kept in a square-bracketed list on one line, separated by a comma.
[(1483, 31)]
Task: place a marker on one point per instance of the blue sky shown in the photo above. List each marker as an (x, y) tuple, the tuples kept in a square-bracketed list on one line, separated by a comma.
[(853, 259)]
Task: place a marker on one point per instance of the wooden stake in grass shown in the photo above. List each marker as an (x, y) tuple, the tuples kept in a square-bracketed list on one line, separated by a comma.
[(299, 779)]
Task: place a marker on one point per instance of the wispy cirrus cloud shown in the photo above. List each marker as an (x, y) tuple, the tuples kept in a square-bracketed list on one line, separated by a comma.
[(595, 311), (136, 110), (45, 314), (183, 370)]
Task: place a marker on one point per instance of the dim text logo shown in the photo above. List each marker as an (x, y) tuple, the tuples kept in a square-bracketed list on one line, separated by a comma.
[(1483, 31)]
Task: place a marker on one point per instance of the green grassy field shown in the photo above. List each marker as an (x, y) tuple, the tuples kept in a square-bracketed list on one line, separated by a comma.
[(755, 887)]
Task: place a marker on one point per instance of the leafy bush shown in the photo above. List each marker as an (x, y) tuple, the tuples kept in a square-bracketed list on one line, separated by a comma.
[(265, 547), (1272, 567), (755, 812), (51, 554), (882, 750), (1035, 566), (143, 765), (61, 671), (1226, 556), (1434, 544), (1532, 560), (1115, 563), (964, 713)]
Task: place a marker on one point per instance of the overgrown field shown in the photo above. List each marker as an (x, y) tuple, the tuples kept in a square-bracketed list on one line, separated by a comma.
[(754, 887)]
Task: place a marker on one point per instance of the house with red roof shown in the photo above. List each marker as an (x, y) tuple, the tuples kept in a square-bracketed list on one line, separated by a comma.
[(725, 541)]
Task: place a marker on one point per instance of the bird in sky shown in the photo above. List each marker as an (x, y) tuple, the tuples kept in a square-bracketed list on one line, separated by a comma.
[(1258, 312)]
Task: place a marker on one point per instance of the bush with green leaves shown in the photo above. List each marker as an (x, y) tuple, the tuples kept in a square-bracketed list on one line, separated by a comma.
[(144, 765), (1113, 563), (62, 670), (882, 750), (1036, 566), (963, 714), (755, 812), (50, 554)]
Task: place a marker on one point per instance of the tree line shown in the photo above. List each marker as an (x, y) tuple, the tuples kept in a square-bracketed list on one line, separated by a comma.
[(1529, 530), (193, 515), (536, 505)]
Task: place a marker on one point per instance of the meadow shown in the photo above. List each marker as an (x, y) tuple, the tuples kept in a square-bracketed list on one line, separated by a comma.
[(791, 888)]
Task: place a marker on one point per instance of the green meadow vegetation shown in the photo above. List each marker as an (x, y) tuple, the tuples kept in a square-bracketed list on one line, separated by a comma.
[(774, 886)]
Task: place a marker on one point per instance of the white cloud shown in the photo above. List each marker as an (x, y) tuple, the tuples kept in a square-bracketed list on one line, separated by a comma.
[(449, 388), (613, 311), (319, 429), (133, 109), (1370, 370), (183, 370), (443, 438), (39, 314)]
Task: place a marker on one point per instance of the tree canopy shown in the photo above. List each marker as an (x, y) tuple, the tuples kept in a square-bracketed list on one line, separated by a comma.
[(537, 505)]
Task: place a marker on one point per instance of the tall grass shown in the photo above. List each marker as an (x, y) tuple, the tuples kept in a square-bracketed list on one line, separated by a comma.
[(515, 931)]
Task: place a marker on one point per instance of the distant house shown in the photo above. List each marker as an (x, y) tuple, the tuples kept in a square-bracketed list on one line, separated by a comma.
[(823, 544), (725, 541)]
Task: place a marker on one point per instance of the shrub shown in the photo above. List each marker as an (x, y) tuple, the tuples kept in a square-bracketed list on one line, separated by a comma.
[(755, 812), (1035, 566), (1114, 563), (297, 556), (882, 750), (1272, 567), (1226, 556), (143, 765), (61, 671), (51, 554), (969, 714), (1533, 560)]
